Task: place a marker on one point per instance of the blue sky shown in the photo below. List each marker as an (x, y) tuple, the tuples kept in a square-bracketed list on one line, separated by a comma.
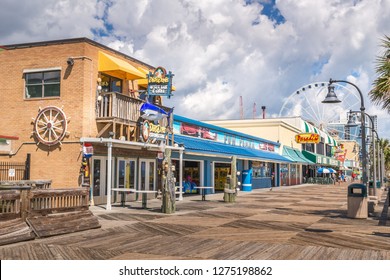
[(220, 50)]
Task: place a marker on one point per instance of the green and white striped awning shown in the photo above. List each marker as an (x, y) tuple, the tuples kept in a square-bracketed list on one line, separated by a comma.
[(309, 128)]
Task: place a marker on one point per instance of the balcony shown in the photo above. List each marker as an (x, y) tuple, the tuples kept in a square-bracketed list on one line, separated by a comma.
[(120, 114)]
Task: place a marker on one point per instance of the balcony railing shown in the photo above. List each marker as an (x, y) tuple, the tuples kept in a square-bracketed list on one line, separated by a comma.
[(114, 105), (119, 107)]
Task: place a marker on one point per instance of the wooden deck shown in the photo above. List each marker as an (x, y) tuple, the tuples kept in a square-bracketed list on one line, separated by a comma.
[(290, 223)]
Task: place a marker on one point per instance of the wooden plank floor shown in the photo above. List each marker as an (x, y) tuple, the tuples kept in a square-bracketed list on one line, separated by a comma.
[(306, 222)]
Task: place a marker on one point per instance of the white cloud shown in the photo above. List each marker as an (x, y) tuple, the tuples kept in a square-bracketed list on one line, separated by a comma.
[(220, 48)]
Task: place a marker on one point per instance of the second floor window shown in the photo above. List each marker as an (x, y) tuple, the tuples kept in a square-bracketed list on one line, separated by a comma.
[(42, 84), (111, 84)]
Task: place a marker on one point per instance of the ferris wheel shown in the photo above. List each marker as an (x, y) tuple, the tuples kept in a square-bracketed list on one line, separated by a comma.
[(331, 118)]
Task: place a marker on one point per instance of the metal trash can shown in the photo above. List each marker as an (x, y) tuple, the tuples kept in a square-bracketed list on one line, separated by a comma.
[(357, 201)]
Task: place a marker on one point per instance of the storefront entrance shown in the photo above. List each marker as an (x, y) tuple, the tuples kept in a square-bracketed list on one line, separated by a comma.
[(126, 174), (99, 179), (147, 175), (221, 170)]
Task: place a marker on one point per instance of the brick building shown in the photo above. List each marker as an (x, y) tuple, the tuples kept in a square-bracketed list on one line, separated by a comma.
[(56, 94)]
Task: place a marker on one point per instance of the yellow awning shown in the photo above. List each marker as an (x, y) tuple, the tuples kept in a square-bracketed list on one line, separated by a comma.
[(144, 82), (118, 67)]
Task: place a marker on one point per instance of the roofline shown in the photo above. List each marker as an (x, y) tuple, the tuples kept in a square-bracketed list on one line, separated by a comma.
[(72, 41), (222, 129)]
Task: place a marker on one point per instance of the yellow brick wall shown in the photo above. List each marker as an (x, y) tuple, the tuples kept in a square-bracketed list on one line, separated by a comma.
[(61, 163)]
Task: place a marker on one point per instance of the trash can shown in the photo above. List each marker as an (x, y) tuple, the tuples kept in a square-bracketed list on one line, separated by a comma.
[(357, 201), (247, 180), (370, 188)]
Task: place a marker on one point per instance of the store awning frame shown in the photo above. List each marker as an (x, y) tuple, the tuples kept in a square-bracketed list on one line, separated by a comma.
[(198, 146), (118, 68), (309, 128), (295, 155)]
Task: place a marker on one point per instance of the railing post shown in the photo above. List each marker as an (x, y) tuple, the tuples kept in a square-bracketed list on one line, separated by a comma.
[(27, 168), (25, 205)]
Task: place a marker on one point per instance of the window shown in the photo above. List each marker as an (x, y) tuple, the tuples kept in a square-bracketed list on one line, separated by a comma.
[(42, 84), (111, 84), (261, 169)]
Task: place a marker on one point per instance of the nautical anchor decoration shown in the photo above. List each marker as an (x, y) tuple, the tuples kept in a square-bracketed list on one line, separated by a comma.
[(50, 126)]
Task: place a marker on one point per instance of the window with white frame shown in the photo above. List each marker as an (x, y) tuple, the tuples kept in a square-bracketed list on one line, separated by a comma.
[(42, 84)]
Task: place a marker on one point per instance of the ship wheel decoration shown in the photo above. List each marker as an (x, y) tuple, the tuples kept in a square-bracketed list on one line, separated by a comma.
[(50, 126)]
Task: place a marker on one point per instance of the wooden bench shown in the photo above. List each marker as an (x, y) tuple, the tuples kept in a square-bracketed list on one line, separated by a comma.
[(61, 223), (25, 210), (15, 230)]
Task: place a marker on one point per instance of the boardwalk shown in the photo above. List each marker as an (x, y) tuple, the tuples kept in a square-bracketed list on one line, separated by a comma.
[(290, 223)]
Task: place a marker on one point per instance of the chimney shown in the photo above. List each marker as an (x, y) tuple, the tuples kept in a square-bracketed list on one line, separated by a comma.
[(263, 108)]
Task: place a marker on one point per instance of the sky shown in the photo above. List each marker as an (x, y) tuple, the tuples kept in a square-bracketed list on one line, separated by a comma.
[(223, 51)]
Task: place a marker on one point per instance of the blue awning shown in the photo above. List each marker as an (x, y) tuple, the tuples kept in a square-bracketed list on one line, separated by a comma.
[(208, 147)]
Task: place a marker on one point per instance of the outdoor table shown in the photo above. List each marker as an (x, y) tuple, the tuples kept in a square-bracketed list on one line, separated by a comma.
[(124, 191), (203, 191)]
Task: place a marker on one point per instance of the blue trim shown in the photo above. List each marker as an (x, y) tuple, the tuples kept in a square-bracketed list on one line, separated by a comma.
[(207, 147), (223, 130)]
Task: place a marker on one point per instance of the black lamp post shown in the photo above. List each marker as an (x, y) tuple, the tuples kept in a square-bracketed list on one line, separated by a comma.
[(352, 123), (332, 98)]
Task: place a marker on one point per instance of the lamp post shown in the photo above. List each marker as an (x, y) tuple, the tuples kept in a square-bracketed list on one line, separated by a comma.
[(351, 123), (332, 98)]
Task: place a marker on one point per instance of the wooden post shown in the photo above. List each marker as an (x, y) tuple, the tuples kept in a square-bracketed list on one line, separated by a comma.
[(168, 188), (24, 201), (231, 185)]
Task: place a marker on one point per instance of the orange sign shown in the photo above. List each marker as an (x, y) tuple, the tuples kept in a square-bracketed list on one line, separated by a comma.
[(307, 138)]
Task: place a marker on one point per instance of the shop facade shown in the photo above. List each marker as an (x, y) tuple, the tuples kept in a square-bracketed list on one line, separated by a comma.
[(305, 156), (75, 112), (208, 151)]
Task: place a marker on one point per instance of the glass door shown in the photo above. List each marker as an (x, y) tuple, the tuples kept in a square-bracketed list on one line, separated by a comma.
[(99, 179), (147, 174), (126, 173)]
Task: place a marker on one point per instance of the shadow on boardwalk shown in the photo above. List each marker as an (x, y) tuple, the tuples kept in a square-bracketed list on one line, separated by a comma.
[(301, 222)]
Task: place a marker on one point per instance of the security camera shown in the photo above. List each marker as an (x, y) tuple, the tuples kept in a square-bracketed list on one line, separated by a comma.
[(70, 61)]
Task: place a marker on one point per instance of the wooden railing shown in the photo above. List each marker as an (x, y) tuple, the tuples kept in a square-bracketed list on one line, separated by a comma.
[(114, 105), (24, 201), (10, 204), (34, 184)]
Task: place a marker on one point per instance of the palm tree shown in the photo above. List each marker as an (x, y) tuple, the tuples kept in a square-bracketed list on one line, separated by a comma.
[(380, 93), (384, 145)]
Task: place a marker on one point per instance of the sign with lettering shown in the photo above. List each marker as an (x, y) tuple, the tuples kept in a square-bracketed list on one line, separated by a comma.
[(151, 132), (312, 138), (160, 82)]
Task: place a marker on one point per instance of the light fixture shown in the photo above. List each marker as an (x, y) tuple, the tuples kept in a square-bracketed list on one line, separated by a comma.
[(351, 122), (331, 97), (70, 61)]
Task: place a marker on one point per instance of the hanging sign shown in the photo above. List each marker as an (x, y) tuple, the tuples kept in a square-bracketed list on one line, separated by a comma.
[(160, 82), (312, 138), (87, 150), (151, 132)]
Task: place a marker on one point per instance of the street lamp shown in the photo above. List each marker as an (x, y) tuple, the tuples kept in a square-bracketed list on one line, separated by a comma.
[(352, 123), (332, 98)]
